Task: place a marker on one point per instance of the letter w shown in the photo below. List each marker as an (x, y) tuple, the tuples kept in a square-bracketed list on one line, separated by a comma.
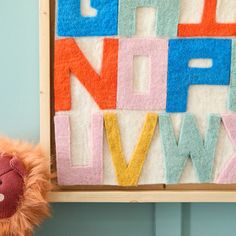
[(191, 145)]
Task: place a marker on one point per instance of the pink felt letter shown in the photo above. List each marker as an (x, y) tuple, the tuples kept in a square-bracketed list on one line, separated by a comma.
[(156, 50), (77, 175), (228, 175)]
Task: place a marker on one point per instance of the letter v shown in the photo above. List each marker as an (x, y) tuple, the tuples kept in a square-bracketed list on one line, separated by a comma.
[(128, 175)]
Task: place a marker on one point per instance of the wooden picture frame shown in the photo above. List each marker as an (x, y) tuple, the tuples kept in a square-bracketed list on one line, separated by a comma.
[(157, 193)]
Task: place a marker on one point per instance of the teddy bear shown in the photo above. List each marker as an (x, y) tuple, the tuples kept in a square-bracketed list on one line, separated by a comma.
[(24, 184)]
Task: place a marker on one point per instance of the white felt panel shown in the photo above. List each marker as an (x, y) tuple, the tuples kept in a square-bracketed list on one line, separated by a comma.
[(226, 11), (146, 21), (92, 48), (200, 63), (202, 101), (86, 9), (191, 11), (141, 78)]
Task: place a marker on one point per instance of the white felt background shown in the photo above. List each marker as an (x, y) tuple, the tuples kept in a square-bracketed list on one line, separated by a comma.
[(202, 101)]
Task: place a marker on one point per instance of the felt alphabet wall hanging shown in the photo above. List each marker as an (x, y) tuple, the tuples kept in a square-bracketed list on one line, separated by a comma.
[(145, 92)]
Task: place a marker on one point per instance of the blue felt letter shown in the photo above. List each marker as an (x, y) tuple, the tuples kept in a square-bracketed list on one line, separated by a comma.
[(181, 75), (70, 21)]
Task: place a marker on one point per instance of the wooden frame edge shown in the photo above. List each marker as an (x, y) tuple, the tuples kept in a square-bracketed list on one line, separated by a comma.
[(144, 196), (44, 58), (102, 196)]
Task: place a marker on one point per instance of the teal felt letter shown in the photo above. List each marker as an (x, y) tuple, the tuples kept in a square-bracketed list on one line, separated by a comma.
[(166, 17), (232, 90), (201, 152)]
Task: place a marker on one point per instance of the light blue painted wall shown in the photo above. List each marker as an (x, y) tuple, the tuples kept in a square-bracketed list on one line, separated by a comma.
[(19, 68), (19, 118)]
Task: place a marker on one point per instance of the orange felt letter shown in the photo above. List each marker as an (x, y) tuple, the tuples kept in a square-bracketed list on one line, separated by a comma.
[(70, 59), (208, 26)]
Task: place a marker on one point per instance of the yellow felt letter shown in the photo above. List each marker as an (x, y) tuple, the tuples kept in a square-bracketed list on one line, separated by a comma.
[(128, 175)]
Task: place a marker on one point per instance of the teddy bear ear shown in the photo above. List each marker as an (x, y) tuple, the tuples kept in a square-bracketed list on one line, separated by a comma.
[(17, 166)]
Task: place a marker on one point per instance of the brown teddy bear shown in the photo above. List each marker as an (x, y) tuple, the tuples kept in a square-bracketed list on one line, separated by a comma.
[(24, 183)]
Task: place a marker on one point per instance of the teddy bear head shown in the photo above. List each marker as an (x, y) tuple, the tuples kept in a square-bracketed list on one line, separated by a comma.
[(12, 174), (24, 185)]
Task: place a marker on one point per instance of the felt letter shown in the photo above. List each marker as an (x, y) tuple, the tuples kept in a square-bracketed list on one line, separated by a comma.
[(128, 175), (155, 99), (70, 59), (228, 175), (191, 145), (78, 175), (70, 21), (232, 90), (181, 75), (167, 16), (208, 26)]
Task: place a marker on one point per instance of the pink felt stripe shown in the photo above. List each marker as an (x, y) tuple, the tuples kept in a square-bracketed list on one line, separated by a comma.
[(228, 175), (229, 121), (155, 99), (77, 175)]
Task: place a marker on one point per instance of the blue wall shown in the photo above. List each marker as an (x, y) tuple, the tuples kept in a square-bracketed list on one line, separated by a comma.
[(19, 103)]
